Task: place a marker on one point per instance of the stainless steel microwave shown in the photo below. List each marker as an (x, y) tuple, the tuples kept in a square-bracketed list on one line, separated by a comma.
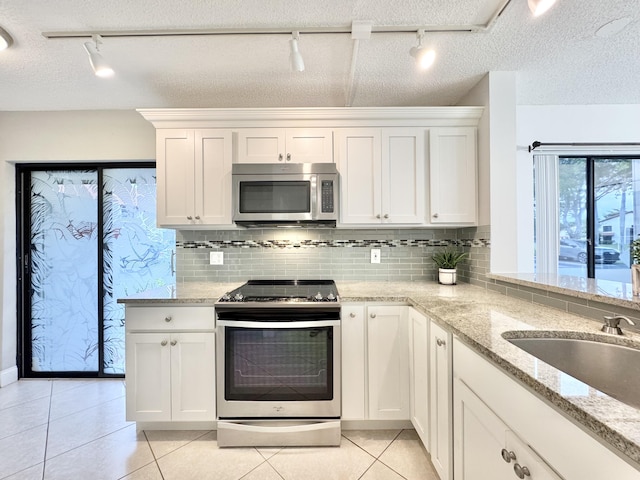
[(285, 195)]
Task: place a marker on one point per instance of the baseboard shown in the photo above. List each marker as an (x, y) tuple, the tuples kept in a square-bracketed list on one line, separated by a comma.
[(8, 375), (375, 424)]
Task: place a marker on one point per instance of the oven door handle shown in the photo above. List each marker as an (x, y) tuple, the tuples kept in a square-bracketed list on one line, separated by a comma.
[(296, 325)]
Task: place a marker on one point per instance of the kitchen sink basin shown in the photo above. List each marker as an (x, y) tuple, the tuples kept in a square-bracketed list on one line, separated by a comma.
[(609, 367)]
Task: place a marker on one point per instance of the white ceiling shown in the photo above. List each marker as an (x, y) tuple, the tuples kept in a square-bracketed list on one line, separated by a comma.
[(558, 57)]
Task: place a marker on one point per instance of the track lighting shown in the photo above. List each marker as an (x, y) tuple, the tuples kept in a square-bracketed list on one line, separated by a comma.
[(295, 58), (538, 7), (100, 66), (424, 56), (5, 39)]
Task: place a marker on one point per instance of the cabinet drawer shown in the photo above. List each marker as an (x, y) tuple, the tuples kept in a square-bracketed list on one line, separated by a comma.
[(169, 318)]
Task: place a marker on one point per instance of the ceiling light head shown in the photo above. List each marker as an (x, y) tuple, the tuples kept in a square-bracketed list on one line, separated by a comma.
[(425, 56), (100, 66), (5, 39), (295, 57), (538, 7)]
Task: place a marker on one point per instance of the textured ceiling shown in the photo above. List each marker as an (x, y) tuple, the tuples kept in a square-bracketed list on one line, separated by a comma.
[(557, 57)]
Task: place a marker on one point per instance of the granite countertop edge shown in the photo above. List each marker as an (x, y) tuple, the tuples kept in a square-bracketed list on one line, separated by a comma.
[(479, 318)]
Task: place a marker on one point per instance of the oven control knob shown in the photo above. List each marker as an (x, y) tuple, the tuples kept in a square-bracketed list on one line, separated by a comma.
[(318, 297), (238, 297), (226, 297), (331, 297)]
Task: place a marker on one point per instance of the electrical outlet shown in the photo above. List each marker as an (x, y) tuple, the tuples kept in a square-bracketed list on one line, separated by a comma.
[(216, 258), (375, 255)]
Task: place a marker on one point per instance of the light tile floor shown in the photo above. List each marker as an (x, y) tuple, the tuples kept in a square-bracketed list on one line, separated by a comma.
[(76, 429)]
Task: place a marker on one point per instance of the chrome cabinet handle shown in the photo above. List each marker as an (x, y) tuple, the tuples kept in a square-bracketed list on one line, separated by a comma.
[(352, 315), (521, 471), (440, 342), (173, 343), (288, 157), (373, 315), (167, 319), (173, 264), (507, 456), (163, 343), (280, 157)]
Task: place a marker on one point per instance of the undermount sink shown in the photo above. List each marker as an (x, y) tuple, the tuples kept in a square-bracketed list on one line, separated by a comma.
[(609, 367)]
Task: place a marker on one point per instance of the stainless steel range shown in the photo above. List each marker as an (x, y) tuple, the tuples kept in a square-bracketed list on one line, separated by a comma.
[(278, 364)]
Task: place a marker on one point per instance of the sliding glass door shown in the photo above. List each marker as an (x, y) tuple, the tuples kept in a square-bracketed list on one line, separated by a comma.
[(88, 237)]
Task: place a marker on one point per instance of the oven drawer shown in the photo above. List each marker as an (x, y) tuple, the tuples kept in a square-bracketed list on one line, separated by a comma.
[(278, 433), (170, 318)]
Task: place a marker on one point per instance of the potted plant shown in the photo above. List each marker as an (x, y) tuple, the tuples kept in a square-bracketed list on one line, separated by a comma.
[(447, 261), (635, 266)]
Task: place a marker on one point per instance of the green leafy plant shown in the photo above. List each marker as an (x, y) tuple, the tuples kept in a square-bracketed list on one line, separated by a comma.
[(448, 257), (635, 251)]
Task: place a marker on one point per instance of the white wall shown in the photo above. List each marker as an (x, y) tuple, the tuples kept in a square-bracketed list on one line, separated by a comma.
[(498, 176), (54, 137), (562, 124)]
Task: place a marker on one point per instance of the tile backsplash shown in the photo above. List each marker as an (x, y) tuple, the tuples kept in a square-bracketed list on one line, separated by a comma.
[(327, 253)]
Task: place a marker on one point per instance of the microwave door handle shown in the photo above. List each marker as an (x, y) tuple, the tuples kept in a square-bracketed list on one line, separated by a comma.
[(314, 196)]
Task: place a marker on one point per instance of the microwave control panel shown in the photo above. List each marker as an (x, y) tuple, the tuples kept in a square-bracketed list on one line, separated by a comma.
[(327, 196)]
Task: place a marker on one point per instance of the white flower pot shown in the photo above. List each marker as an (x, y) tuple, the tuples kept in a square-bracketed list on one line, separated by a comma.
[(447, 276)]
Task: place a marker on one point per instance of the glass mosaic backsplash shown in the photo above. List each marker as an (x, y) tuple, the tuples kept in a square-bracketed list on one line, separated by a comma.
[(337, 254)]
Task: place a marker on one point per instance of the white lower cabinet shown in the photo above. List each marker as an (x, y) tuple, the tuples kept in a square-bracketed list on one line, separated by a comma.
[(170, 364), (353, 336), (441, 400), (501, 428), (388, 363), (375, 362), (419, 374)]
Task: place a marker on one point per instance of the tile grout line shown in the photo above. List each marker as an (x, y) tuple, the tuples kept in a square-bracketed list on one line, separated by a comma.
[(377, 459), (46, 438)]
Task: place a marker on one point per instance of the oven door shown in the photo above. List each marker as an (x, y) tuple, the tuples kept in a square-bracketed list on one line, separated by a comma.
[(278, 369)]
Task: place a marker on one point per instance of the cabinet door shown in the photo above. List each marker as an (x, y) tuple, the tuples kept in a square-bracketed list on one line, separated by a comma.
[(479, 439), (309, 145), (388, 361), (193, 395), (525, 457), (353, 362), (358, 155), (440, 378), (148, 366), (419, 374), (261, 145), (403, 176), (175, 170), (212, 185), (453, 177)]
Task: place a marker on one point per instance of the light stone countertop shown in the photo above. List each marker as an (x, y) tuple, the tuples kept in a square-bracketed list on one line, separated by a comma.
[(605, 291), (479, 318)]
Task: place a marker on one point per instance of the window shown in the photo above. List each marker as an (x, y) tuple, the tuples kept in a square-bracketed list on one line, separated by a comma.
[(592, 218)]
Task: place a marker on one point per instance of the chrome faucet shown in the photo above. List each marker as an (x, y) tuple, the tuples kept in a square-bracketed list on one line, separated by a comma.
[(612, 324)]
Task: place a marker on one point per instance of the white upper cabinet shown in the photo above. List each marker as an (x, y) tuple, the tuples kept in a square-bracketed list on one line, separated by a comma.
[(382, 175), (193, 169), (453, 175), (290, 145)]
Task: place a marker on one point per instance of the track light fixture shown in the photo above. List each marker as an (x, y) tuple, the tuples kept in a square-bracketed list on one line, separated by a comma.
[(295, 57), (5, 39), (100, 66), (424, 56), (538, 7)]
